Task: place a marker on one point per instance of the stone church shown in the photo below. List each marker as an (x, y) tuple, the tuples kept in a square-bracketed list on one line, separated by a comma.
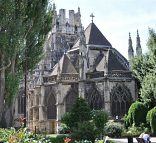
[(77, 62)]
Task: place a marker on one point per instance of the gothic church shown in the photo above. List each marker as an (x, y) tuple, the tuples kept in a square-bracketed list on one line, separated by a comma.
[(77, 62)]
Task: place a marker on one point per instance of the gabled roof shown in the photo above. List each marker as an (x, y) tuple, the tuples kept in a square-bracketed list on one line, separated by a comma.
[(65, 66), (94, 37)]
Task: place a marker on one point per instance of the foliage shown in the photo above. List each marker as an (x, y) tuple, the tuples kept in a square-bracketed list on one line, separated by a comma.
[(136, 114), (148, 91), (151, 120), (21, 136), (66, 119), (79, 121), (84, 131), (144, 68), (12, 84), (64, 129), (24, 26), (80, 112), (132, 131), (113, 129), (100, 118), (83, 141)]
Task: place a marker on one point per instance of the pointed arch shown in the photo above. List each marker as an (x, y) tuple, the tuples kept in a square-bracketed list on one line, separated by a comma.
[(71, 97), (121, 100), (94, 98), (21, 101), (51, 106)]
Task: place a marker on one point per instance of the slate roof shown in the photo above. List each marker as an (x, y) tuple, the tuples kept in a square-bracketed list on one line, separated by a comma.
[(65, 66), (94, 37), (113, 61)]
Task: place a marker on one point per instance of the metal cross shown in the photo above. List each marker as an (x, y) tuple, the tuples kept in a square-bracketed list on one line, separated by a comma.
[(92, 17)]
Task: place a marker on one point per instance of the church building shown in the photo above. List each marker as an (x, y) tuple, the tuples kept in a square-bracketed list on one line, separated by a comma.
[(77, 62)]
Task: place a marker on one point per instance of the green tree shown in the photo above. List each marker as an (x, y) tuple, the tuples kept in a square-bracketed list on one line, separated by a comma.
[(24, 26), (136, 114), (80, 112), (144, 68)]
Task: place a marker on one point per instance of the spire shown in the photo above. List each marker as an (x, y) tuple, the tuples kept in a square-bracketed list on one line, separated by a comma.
[(130, 48), (138, 45), (79, 10)]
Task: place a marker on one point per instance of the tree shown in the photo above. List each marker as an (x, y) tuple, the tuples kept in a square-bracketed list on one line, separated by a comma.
[(144, 68), (24, 26), (80, 112)]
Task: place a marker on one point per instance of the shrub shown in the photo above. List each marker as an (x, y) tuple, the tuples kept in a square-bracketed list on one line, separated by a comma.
[(113, 129), (132, 131), (148, 117), (151, 120), (136, 114)]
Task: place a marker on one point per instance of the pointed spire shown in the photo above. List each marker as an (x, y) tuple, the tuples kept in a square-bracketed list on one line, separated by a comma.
[(138, 45), (130, 48), (79, 10)]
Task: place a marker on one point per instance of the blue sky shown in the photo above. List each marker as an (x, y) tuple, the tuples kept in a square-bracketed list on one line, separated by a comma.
[(116, 18)]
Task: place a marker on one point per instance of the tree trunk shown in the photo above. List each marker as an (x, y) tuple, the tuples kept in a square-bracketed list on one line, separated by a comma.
[(2, 86)]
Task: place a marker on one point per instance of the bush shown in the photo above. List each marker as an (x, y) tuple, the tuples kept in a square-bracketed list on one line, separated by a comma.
[(113, 129), (151, 120), (64, 129), (136, 114), (148, 118), (132, 131)]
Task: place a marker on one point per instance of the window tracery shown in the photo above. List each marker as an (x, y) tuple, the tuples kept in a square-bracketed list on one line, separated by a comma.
[(121, 100)]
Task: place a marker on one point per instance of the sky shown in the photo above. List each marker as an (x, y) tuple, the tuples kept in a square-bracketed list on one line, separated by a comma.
[(116, 18)]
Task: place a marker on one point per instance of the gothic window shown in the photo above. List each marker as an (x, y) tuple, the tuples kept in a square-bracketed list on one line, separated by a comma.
[(57, 25), (51, 107), (121, 100), (75, 29), (94, 98), (31, 114), (21, 102), (70, 99)]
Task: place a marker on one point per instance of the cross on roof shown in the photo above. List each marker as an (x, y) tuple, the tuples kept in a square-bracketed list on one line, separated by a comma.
[(92, 16)]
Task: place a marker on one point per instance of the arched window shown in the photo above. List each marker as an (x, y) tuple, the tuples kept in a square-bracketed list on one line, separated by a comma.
[(21, 102), (70, 98), (94, 98), (51, 107), (121, 100), (75, 29)]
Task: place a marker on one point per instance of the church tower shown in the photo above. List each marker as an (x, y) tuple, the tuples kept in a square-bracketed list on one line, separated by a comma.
[(138, 45), (130, 48)]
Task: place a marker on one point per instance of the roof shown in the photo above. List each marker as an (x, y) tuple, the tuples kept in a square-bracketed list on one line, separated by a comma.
[(113, 62), (94, 37), (65, 66)]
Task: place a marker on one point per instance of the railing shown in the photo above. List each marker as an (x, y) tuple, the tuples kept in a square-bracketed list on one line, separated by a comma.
[(96, 74), (63, 77), (126, 74)]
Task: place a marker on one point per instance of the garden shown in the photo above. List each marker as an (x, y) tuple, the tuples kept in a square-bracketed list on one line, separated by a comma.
[(83, 125)]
